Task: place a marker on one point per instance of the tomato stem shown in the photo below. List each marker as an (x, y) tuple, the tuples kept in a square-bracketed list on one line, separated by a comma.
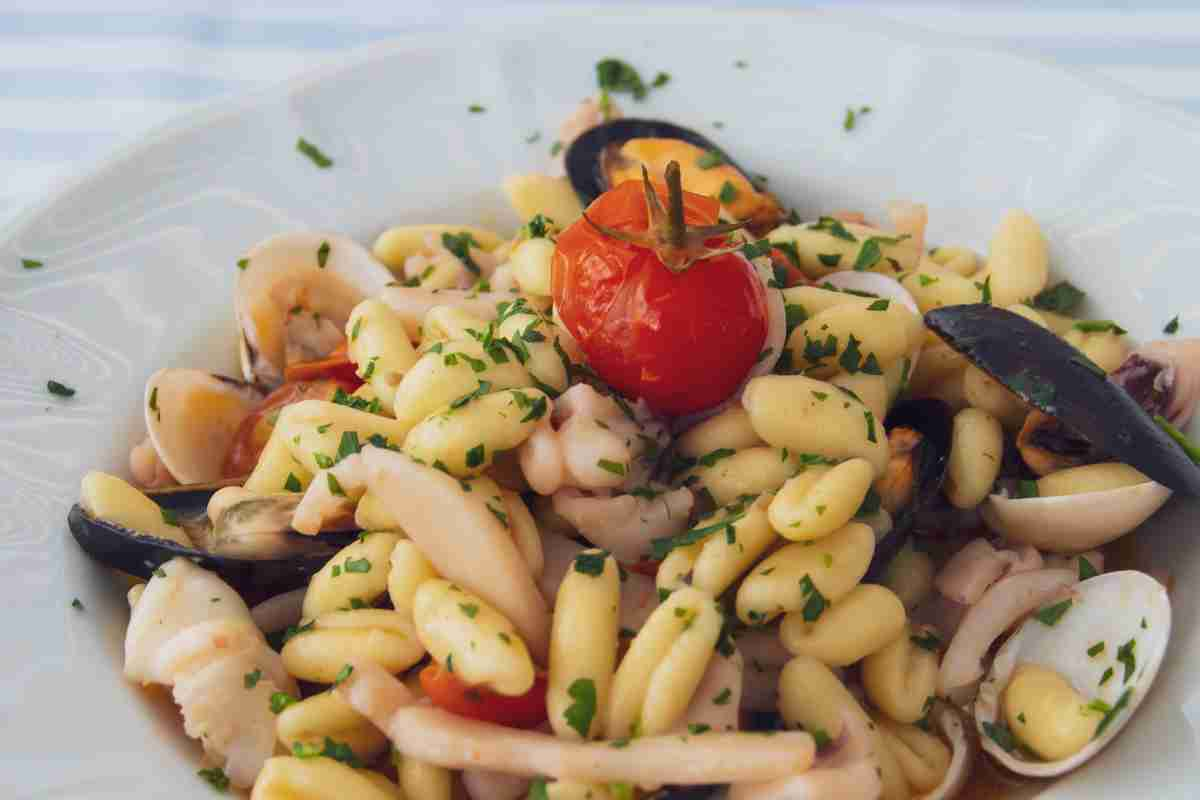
[(677, 244)]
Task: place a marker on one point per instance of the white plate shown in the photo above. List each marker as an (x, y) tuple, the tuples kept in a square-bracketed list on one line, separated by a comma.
[(140, 266)]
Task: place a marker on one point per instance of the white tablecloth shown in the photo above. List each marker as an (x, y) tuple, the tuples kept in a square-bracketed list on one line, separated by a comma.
[(80, 77)]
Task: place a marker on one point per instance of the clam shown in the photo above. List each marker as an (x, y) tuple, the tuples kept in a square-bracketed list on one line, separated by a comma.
[(616, 150), (294, 294), (1055, 378), (1066, 683), (249, 545), (193, 417)]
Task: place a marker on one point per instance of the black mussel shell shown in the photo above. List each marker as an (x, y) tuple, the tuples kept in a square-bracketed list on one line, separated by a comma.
[(139, 555), (933, 420), (688, 793), (584, 159), (1051, 375)]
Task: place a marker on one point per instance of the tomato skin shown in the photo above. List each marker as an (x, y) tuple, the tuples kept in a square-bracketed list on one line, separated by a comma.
[(682, 341), (252, 434), (336, 366), (447, 692)]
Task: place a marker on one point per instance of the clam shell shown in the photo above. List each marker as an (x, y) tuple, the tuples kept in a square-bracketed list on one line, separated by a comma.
[(285, 272), (192, 417), (1108, 608), (1076, 522)]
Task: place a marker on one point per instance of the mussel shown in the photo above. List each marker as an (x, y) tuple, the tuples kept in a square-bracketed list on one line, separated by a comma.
[(1055, 378), (249, 546), (919, 433), (615, 151)]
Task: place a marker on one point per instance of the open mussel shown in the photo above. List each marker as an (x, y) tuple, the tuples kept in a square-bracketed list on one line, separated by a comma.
[(919, 433), (1057, 379), (616, 151), (243, 538)]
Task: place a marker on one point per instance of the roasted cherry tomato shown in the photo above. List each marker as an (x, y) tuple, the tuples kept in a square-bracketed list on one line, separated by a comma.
[(663, 310), (446, 691), (252, 434)]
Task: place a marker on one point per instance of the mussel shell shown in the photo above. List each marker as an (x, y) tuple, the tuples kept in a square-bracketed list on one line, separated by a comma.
[(139, 555), (933, 419), (1051, 375), (584, 159), (688, 793)]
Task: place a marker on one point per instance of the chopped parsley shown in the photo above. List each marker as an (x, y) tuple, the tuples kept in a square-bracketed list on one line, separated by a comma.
[(556, 148), (348, 445), (709, 159), (1192, 451), (335, 488), (338, 751), (216, 778), (341, 398), (1127, 657), (1061, 298), (295, 630), (814, 601), (483, 388), (851, 118), (580, 713), (1108, 673), (614, 75), (343, 674), (710, 458), (159, 572), (1099, 326), (834, 228), (280, 701), (1086, 570), (728, 193), (475, 108), (62, 390), (926, 280), (829, 259), (661, 547), (1111, 714), (323, 254), (170, 517), (470, 609), (359, 565), (870, 418), (879, 305), (871, 253), (460, 246), (615, 467), (323, 461), (590, 563), (475, 456), (1050, 615), (537, 790), (251, 679), (1027, 488), (313, 153), (292, 484), (1172, 327), (31, 263), (1095, 649), (985, 290), (820, 738), (538, 227), (76, 604), (697, 728), (1001, 735), (723, 697)]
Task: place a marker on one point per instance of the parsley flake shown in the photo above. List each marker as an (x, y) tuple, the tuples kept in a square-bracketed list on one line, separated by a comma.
[(580, 713), (313, 153), (62, 390), (1050, 615)]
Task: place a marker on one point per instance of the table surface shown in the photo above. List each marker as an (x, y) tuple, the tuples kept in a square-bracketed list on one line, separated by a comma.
[(78, 78)]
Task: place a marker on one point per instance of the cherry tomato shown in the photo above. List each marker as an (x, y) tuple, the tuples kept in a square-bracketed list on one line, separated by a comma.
[(446, 691), (252, 434), (337, 365), (683, 340)]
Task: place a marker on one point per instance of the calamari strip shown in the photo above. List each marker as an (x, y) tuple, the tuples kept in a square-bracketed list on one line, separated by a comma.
[(848, 772), (1006, 602), (439, 737)]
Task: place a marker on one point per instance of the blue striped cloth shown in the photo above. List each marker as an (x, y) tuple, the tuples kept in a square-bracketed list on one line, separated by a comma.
[(76, 81)]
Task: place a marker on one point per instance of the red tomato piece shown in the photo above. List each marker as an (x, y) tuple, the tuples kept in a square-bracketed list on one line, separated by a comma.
[(446, 691)]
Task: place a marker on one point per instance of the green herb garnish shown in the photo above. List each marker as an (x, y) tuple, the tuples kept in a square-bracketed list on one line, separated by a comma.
[(313, 153)]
